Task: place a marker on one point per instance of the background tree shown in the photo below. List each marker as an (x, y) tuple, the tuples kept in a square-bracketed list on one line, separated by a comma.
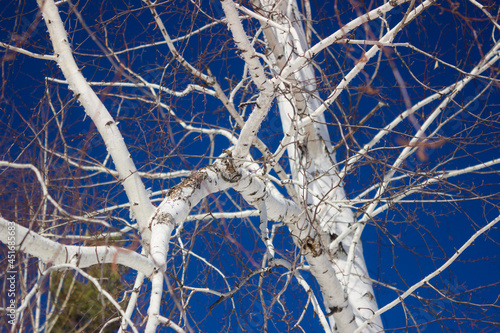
[(79, 306), (230, 157)]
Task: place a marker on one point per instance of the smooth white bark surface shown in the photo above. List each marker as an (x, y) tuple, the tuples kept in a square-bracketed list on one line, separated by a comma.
[(51, 252), (141, 206)]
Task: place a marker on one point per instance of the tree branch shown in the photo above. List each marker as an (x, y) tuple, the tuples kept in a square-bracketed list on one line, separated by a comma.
[(19, 238), (141, 206)]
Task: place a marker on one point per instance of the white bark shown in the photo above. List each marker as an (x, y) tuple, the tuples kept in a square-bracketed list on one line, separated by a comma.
[(141, 206), (315, 163), (438, 271), (266, 96), (172, 212), (24, 240), (304, 234), (222, 175)]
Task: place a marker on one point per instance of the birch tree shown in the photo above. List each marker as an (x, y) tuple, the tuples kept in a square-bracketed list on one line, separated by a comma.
[(253, 166)]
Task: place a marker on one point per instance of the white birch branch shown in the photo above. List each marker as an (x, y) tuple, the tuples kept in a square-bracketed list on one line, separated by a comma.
[(308, 290), (19, 238), (132, 302), (46, 194), (222, 175), (491, 57), (26, 52), (309, 54), (141, 208), (280, 209), (430, 276), (344, 83), (313, 163), (189, 88), (263, 103), (172, 212), (172, 47)]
